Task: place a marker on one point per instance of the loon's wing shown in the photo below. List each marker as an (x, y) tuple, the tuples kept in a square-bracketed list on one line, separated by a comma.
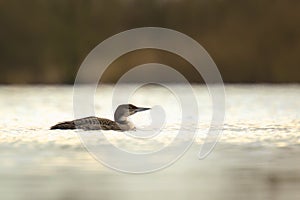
[(88, 123), (64, 125), (107, 124)]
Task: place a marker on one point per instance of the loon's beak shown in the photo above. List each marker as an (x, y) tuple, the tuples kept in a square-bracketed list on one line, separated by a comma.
[(142, 109)]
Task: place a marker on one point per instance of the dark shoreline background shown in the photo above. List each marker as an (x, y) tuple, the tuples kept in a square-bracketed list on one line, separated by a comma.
[(44, 42)]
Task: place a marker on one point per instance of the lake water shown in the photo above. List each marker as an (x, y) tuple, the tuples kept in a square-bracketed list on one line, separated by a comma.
[(257, 156)]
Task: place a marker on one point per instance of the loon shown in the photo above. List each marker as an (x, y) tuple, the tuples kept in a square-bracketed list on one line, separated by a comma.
[(121, 122)]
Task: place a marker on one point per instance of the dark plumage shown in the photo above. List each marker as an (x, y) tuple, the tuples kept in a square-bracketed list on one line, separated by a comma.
[(88, 123), (64, 125)]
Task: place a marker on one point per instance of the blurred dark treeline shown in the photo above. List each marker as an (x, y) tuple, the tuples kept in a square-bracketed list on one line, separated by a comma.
[(45, 41)]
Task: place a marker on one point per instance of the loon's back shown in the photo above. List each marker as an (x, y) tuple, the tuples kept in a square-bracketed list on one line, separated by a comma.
[(88, 123)]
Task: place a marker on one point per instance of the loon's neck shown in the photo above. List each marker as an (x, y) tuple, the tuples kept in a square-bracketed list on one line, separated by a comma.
[(125, 124)]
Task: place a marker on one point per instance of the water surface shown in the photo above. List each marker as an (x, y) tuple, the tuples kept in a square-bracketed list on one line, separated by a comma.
[(257, 156)]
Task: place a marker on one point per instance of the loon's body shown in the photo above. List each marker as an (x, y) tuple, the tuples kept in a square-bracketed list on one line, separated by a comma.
[(121, 122)]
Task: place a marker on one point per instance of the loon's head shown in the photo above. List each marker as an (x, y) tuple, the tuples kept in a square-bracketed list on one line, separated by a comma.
[(125, 110)]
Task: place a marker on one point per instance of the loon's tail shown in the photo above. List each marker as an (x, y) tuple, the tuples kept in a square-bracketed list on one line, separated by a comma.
[(64, 125)]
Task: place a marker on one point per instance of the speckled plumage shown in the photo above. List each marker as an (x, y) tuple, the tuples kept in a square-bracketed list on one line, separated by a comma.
[(88, 123)]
